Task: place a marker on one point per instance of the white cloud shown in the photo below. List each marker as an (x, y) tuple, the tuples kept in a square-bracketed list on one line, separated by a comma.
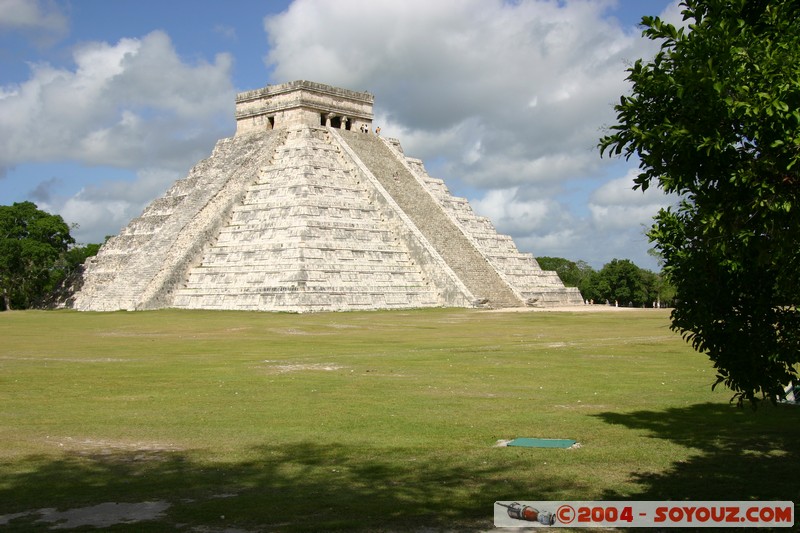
[(135, 105), (40, 18), (95, 220), (509, 98), (534, 219), (471, 66), (128, 105), (616, 205), (512, 214), (104, 209), (673, 14), (614, 226)]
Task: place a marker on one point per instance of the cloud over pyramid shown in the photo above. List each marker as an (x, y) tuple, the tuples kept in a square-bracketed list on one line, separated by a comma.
[(307, 209)]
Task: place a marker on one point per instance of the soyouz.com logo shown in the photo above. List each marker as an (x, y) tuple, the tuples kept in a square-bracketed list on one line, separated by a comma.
[(643, 514)]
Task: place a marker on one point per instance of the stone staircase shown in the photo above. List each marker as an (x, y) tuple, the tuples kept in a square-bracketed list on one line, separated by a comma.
[(471, 267), (307, 236), (141, 267), (540, 288)]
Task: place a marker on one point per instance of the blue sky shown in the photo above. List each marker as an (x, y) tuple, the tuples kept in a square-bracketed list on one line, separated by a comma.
[(103, 104)]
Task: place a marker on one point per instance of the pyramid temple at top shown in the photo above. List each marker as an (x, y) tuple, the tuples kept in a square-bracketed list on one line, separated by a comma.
[(306, 208)]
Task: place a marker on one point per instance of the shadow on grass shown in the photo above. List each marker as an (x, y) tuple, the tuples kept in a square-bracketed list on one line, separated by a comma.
[(740, 454), (303, 487)]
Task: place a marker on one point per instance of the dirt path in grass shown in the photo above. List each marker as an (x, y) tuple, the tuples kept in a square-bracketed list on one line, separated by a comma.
[(102, 515)]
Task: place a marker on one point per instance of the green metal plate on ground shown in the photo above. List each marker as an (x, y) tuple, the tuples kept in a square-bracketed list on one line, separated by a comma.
[(542, 443)]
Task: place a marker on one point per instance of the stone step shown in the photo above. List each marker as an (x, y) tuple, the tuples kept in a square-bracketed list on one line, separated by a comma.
[(448, 239)]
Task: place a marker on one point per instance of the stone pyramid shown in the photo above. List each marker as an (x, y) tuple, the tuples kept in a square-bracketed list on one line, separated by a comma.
[(307, 209)]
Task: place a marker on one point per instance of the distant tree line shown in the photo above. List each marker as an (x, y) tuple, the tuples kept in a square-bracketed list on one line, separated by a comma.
[(619, 282)]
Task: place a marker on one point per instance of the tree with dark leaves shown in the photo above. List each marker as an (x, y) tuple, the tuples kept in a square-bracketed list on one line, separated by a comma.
[(714, 117), (33, 244)]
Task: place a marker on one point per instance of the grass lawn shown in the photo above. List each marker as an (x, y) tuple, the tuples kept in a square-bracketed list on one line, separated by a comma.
[(374, 421)]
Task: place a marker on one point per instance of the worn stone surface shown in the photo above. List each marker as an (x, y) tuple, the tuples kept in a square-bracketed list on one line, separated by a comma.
[(302, 103), (306, 210)]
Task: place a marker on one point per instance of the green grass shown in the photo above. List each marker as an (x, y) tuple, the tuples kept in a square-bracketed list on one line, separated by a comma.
[(367, 421)]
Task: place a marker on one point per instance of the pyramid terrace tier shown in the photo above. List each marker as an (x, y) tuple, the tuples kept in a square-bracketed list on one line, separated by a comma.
[(311, 216)]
